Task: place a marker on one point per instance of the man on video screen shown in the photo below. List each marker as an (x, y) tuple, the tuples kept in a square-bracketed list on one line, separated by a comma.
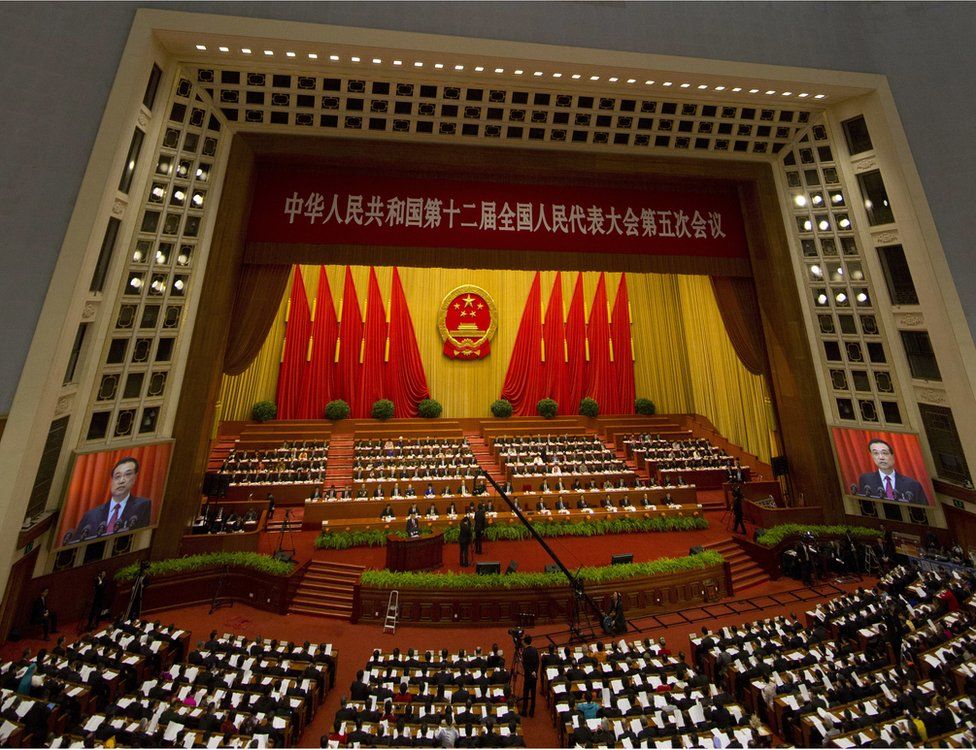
[(886, 483), (122, 511)]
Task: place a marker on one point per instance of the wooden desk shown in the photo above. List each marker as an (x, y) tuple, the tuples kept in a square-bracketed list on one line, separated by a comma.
[(706, 479), (421, 553)]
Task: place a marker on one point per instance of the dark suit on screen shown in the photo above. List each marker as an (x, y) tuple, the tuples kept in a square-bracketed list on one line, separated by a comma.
[(136, 514), (873, 484)]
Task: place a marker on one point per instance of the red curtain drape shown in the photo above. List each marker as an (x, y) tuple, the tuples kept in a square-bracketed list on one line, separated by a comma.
[(92, 475), (575, 351), (623, 354), (855, 458), (294, 363), (374, 347), (325, 333), (350, 342), (259, 293), (553, 338), (524, 380), (598, 379), (405, 377), (736, 300)]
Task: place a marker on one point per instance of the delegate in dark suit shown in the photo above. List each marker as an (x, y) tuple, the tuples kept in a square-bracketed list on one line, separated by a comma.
[(121, 511), (873, 485)]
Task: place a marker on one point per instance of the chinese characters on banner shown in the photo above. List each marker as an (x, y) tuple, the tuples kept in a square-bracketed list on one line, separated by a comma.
[(353, 208)]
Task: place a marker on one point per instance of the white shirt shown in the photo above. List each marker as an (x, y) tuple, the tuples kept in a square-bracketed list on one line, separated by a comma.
[(113, 504), (891, 476)]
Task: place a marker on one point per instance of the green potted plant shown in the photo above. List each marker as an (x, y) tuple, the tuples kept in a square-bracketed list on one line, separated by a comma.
[(382, 409), (501, 408), (336, 410), (547, 408), (262, 411), (589, 407), (430, 408), (644, 406)]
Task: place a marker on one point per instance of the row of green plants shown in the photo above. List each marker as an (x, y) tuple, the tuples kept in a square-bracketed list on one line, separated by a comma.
[(430, 408), (776, 534), (330, 539), (385, 579), (250, 560)]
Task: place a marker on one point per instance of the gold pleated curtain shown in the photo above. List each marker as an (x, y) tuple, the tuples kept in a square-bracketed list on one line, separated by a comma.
[(684, 360)]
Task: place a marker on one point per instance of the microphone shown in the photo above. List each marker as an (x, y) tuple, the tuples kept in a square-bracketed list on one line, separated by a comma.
[(909, 496), (85, 533), (68, 538), (854, 489), (100, 531)]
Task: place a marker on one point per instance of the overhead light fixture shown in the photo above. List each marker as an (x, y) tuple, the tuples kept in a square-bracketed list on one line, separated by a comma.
[(594, 78), (770, 92), (803, 95), (800, 200), (686, 85), (736, 89), (312, 56), (862, 297), (787, 93), (224, 49), (289, 54), (246, 50), (648, 83), (822, 298), (666, 83), (499, 70), (202, 47), (841, 297), (354, 59), (631, 80), (269, 52), (418, 64), (702, 86), (720, 88), (613, 79), (459, 67), (398, 62), (753, 91), (479, 69), (819, 96), (537, 73), (436, 65), (824, 225), (334, 58), (576, 76), (557, 75), (518, 72), (377, 61)]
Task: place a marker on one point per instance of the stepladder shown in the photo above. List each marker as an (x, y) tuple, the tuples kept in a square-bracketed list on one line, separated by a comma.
[(392, 612)]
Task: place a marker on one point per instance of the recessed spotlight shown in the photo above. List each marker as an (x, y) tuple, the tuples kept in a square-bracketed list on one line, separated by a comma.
[(334, 58), (808, 226), (518, 72), (824, 225), (499, 70), (648, 83), (817, 200), (377, 61), (202, 47), (557, 75), (269, 52), (354, 59), (631, 80), (837, 197), (815, 270), (224, 49), (787, 93), (770, 92), (576, 76), (246, 50), (312, 56), (862, 297), (436, 65), (537, 73), (459, 67), (800, 200), (844, 223), (667, 83), (841, 297), (702, 87), (418, 64), (398, 62), (685, 85), (289, 54), (803, 95), (736, 89), (720, 88), (594, 78), (819, 96), (479, 69), (613, 79), (753, 91), (822, 298)]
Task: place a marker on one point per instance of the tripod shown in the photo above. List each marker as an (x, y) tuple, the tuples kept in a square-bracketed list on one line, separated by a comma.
[(216, 603), (281, 551)]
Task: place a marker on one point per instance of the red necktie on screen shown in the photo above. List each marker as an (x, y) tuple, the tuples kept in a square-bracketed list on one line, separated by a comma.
[(889, 493), (110, 529)]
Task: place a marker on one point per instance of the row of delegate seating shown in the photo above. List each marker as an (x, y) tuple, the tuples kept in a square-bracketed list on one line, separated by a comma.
[(288, 463)]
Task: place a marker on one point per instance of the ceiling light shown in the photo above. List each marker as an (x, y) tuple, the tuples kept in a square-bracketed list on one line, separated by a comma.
[(666, 83), (269, 52), (803, 96), (837, 198), (702, 86), (862, 297), (289, 54), (807, 225), (817, 199), (720, 88), (787, 93), (822, 298), (815, 270), (631, 80), (436, 65), (841, 297), (398, 62), (136, 282), (844, 223), (868, 204), (499, 70), (800, 200), (557, 75), (613, 79), (824, 225), (736, 89), (770, 92), (354, 59), (648, 83), (178, 284), (576, 76), (202, 47), (160, 257), (819, 96), (753, 91), (418, 64), (518, 72), (459, 67), (594, 78), (334, 58), (137, 256), (478, 69), (224, 49), (246, 50), (377, 61), (312, 56), (686, 85), (537, 73)]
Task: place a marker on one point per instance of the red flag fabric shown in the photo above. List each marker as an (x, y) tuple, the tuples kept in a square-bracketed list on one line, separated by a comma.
[(575, 351), (598, 380), (321, 366), (374, 349), (623, 354), (406, 381), (294, 364), (553, 337), (350, 341), (524, 380)]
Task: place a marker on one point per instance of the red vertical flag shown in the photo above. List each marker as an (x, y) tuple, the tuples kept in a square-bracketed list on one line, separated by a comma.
[(553, 338), (623, 352), (350, 340), (321, 366), (575, 351), (524, 380), (294, 364), (374, 348), (598, 381), (406, 381)]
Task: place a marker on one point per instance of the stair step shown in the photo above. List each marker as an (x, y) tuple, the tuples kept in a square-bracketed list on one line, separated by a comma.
[(319, 613), (332, 602), (342, 594), (321, 565)]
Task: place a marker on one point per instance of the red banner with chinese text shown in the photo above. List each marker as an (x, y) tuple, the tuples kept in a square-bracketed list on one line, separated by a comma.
[(355, 208)]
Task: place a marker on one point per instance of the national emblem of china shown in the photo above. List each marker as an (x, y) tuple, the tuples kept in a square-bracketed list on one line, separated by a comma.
[(467, 321)]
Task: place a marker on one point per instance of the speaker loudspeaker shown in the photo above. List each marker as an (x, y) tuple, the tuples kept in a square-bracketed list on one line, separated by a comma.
[(780, 466), (696, 550)]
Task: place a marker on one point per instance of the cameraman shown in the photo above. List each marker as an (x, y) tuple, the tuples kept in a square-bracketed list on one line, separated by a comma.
[(530, 679)]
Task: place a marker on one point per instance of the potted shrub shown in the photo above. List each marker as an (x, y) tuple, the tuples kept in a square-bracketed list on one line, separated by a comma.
[(336, 410), (430, 408), (501, 408), (262, 411), (382, 409), (644, 406), (589, 407), (547, 408)]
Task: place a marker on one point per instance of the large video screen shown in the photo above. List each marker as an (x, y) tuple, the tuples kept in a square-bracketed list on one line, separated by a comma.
[(114, 491), (883, 466)]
